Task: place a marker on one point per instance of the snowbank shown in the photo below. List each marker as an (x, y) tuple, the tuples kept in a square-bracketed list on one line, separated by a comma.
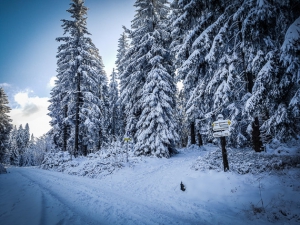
[(2, 169), (277, 157), (150, 188), (95, 165)]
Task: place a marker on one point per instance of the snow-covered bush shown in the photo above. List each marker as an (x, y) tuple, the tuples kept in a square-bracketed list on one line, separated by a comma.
[(2, 169), (243, 161), (279, 148), (94, 165), (34, 153), (55, 160)]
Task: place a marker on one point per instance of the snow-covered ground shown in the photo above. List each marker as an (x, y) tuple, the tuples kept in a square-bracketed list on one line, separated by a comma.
[(148, 192)]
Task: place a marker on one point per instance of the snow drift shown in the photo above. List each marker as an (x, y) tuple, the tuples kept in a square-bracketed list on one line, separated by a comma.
[(243, 161), (2, 169), (95, 165)]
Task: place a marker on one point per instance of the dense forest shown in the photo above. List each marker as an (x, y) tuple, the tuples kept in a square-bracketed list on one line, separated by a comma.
[(238, 58)]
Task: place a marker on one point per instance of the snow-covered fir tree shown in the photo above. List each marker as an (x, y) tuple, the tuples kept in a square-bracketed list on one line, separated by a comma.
[(58, 114), (194, 24), (5, 124), (272, 80), (22, 137), (222, 55), (151, 92), (101, 116), (122, 61), (26, 135), (114, 108), (35, 151), (79, 100), (182, 124), (290, 59), (14, 155), (123, 46)]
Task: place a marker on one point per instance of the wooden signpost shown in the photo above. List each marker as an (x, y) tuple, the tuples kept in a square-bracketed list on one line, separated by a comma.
[(221, 130), (127, 139)]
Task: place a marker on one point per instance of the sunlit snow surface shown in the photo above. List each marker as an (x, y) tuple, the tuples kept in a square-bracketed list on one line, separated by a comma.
[(147, 191)]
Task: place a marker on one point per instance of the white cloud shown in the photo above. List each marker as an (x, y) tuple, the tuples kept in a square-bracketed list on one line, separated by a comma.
[(4, 85), (51, 83), (31, 110)]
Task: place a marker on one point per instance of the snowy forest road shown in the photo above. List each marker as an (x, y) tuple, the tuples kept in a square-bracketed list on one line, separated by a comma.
[(29, 196), (147, 191), (43, 197), (35, 196)]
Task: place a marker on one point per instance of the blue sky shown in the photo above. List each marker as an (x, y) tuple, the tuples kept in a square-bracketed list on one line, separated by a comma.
[(28, 49)]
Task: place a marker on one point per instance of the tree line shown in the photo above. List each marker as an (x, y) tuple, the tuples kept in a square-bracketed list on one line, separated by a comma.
[(18, 147), (239, 58)]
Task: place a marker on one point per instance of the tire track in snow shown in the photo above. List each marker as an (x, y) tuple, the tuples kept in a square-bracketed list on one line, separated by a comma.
[(19, 200), (133, 200), (107, 207), (43, 212), (55, 208)]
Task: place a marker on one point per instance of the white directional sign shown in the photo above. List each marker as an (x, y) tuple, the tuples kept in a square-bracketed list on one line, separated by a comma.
[(221, 133), (221, 127)]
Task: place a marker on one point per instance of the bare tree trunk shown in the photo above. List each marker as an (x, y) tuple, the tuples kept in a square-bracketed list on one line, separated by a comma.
[(250, 81), (100, 140), (85, 152), (256, 138), (224, 154), (200, 142), (185, 141), (76, 147), (113, 129), (193, 136), (65, 135), (257, 143)]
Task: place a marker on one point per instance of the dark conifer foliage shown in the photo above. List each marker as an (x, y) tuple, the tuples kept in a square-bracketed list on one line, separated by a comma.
[(115, 124), (122, 63), (14, 154), (233, 57), (26, 150), (237, 58), (149, 88)]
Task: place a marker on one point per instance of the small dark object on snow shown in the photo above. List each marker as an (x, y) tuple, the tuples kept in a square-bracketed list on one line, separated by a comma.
[(2, 169), (182, 187), (282, 212)]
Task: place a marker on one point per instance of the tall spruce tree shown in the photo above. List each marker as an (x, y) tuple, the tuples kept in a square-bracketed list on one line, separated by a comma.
[(151, 92), (123, 46), (58, 111), (222, 57), (5, 124), (122, 62), (274, 81), (182, 125), (26, 135), (291, 61), (79, 100), (114, 109), (13, 147), (194, 22), (22, 139)]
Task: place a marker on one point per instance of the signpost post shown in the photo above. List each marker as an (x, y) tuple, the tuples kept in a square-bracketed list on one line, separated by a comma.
[(127, 139), (221, 130)]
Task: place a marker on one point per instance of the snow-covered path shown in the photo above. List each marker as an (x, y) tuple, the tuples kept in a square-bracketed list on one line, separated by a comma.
[(46, 197), (148, 193)]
